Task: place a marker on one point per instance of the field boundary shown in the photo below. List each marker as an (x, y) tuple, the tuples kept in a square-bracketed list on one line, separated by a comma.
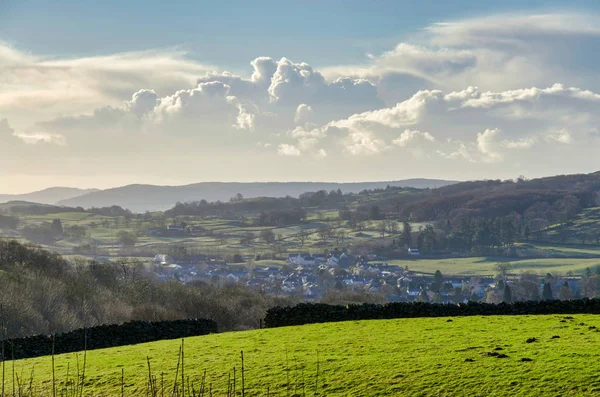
[(311, 313)]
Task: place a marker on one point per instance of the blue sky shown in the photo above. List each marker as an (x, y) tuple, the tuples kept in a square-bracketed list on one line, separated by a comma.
[(228, 33), (100, 94)]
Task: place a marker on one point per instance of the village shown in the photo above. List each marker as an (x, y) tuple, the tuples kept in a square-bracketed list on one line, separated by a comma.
[(310, 277)]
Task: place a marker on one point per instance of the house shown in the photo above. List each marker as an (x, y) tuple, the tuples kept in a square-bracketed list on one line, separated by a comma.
[(301, 260), (413, 291), (413, 252)]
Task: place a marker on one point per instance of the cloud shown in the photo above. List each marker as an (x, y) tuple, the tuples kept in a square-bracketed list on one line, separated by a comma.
[(561, 136), (411, 136), (288, 150), (497, 52), (53, 86), (364, 143), (486, 144), (493, 91), (473, 125), (304, 113)]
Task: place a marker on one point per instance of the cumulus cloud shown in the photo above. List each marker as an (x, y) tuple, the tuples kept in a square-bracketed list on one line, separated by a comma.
[(304, 113), (409, 137), (495, 91), (364, 143), (472, 125)]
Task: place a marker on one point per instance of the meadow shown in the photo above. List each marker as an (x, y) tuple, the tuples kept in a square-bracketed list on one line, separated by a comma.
[(484, 266), (224, 237), (475, 356)]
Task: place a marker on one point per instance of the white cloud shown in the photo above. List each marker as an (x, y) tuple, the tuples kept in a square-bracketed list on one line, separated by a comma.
[(456, 125), (364, 143), (486, 144), (288, 150), (411, 136), (304, 113), (51, 86), (495, 91), (497, 52)]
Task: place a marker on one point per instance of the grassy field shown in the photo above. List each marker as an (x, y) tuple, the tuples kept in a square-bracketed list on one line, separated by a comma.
[(225, 238), (485, 265), (408, 357)]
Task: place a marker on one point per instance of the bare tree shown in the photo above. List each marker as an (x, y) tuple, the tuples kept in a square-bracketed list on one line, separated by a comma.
[(302, 237)]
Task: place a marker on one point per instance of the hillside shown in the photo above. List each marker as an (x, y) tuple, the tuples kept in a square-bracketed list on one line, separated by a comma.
[(140, 198), (47, 196), (475, 356)]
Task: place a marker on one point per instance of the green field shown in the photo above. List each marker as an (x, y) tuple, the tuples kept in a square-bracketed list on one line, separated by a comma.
[(485, 265), (408, 357)]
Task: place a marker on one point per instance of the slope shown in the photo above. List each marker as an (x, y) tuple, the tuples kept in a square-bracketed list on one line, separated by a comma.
[(475, 356), (141, 198), (47, 196)]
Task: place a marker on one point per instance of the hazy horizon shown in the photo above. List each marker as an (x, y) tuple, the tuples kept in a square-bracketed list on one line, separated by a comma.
[(329, 92), (198, 182)]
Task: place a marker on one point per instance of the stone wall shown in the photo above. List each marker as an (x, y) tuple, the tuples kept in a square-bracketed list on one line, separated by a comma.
[(309, 313), (103, 336)]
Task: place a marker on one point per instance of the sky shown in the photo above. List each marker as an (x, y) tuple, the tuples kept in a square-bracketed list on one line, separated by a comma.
[(103, 94)]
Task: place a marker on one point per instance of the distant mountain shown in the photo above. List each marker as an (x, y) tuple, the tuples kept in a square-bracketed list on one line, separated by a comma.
[(47, 196), (140, 198)]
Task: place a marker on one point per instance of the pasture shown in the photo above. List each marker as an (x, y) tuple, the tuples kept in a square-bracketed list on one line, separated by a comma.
[(475, 356)]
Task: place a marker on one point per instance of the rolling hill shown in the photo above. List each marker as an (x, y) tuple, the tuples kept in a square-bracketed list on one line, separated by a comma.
[(47, 196), (140, 198), (459, 356)]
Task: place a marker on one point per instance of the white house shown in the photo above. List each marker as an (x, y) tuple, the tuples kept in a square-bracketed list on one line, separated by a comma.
[(301, 260)]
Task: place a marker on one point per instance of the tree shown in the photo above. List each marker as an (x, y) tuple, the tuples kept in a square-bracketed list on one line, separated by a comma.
[(323, 235), (267, 235), (565, 292), (527, 287), (177, 252), (382, 228), (507, 297), (75, 231), (375, 212), (340, 237), (427, 240), (526, 232), (302, 237), (502, 269), (406, 238), (126, 239), (438, 280), (547, 292), (391, 226), (56, 227)]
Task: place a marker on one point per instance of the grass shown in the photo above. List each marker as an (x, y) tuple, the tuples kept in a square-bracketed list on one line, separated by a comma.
[(226, 236), (485, 265), (408, 357)]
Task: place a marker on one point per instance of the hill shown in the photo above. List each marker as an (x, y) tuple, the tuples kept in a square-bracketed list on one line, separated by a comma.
[(47, 196), (475, 356), (140, 198)]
